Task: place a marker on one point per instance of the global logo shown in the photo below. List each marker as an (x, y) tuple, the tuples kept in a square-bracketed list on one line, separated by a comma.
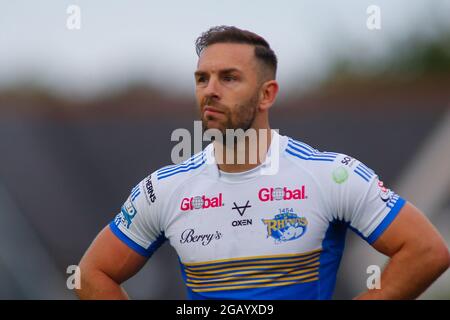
[(286, 226), (271, 194), (201, 202)]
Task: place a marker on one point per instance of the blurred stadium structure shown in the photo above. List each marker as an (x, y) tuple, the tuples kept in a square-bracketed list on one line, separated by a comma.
[(67, 165)]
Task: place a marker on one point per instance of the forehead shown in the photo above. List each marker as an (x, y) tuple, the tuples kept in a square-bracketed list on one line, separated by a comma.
[(227, 55)]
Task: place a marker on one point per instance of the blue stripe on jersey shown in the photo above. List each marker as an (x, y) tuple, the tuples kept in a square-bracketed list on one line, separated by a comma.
[(306, 290), (185, 163), (308, 154), (310, 149), (363, 168), (391, 203), (183, 168), (307, 158), (192, 163), (133, 245), (135, 192), (269, 259), (364, 172), (252, 272), (242, 282), (333, 247), (366, 168), (305, 152), (362, 175)]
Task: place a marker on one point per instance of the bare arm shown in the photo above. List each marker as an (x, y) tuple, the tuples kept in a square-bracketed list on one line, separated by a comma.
[(106, 264), (418, 256)]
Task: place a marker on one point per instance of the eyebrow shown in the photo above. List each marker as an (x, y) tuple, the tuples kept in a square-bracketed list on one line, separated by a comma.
[(228, 70)]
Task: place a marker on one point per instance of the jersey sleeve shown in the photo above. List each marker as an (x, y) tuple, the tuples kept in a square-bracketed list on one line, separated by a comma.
[(137, 223), (359, 198)]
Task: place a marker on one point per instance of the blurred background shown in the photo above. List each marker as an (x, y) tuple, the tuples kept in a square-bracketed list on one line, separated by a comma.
[(87, 113)]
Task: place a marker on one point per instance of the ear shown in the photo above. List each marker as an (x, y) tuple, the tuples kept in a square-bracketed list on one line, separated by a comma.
[(268, 93)]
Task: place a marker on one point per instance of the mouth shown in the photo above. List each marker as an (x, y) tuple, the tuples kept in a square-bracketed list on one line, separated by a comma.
[(208, 110)]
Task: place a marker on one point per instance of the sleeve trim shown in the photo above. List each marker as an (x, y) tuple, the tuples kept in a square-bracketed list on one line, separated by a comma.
[(386, 221), (130, 243)]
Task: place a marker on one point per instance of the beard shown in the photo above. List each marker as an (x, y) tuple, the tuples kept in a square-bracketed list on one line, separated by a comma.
[(241, 116)]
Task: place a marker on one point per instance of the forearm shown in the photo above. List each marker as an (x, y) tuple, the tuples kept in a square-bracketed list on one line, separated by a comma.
[(408, 273), (96, 285)]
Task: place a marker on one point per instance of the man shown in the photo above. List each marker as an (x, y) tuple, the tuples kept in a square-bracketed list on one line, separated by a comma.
[(244, 231)]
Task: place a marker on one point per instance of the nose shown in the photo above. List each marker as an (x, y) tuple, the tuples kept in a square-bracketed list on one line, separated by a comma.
[(211, 91)]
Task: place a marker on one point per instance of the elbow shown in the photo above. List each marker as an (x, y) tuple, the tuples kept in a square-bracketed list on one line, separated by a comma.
[(439, 256), (445, 259)]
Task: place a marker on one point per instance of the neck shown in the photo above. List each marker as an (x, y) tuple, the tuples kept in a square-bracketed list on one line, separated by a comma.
[(244, 153)]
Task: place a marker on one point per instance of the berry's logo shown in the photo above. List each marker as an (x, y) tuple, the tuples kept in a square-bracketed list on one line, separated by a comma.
[(271, 194), (201, 202)]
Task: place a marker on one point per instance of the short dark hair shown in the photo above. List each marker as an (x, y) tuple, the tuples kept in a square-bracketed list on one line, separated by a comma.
[(231, 34)]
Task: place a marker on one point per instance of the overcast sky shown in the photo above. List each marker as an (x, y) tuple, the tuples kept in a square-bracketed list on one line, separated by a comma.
[(154, 40)]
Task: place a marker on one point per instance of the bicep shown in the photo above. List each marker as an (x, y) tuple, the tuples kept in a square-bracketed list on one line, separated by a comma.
[(109, 255), (409, 228)]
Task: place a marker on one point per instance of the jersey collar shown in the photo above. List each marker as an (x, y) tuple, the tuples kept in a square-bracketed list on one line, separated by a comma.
[(268, 167)]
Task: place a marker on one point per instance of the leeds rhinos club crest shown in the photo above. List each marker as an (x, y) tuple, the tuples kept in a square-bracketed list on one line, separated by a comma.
[(285, 226)]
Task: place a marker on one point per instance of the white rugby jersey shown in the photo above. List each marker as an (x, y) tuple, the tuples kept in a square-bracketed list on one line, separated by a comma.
[(261, 234)]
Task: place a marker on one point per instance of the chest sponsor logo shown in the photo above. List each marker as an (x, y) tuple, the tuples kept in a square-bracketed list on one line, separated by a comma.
[(282, 193), (189, 236), (286, 226), (241, 210), (201, 202)]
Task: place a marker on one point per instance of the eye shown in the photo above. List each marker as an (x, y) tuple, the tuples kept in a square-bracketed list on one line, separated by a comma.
[(229, 78), (201, 79)]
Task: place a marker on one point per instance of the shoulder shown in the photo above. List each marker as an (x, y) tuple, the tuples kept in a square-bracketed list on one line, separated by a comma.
[(163, 182), (303, 152), (183, 170), (330, 164)]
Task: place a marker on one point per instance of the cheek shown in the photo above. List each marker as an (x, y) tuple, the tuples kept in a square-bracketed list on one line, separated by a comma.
[(198, 97)]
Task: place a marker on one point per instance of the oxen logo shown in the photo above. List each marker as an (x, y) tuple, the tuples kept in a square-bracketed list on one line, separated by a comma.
[(286, 226)]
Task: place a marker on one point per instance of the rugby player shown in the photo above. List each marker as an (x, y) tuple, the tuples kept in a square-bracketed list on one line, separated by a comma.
[(242, 231)]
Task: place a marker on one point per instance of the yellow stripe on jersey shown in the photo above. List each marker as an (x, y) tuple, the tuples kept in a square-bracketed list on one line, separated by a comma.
[(253, 272), (272, 261), (281, 256), (266, 271), (304, 264), (309, 275), (266, 275)]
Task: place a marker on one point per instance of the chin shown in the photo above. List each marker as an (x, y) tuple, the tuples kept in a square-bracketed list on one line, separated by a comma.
[(213, 124)]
